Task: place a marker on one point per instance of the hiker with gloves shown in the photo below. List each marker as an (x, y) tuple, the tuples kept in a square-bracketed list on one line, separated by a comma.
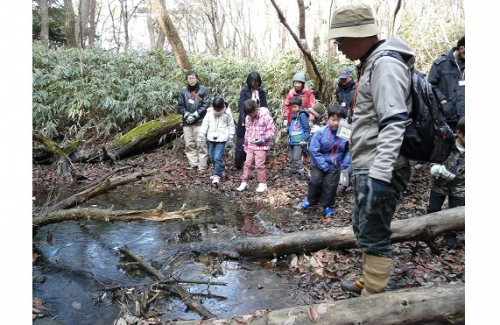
[(381, 109), (192, 104)]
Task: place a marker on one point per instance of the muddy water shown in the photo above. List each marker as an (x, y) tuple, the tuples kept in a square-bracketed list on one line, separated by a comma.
[(70, 274)]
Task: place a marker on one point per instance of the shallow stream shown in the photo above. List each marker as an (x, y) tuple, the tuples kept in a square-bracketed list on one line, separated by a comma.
[(71, 274)]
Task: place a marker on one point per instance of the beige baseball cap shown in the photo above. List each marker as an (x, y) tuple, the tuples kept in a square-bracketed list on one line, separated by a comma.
[(353, 20)]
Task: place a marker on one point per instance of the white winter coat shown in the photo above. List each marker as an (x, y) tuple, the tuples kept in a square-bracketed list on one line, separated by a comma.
[(218, 128)]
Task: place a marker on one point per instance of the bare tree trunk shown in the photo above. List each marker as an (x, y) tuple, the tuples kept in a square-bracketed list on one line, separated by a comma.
[(69, 24), (84, 9), (150, 23), (299, 44), (92, 22), (393, 18), (213, 18), (172, 34), (302, 36), (44, 15), (124, 18)]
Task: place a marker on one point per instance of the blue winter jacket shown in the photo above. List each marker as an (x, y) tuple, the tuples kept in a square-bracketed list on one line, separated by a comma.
[(299, 123), (329, 151)]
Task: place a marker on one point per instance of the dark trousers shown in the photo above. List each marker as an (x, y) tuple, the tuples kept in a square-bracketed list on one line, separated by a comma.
[(322, 186), (436, 201), (239, 153), (373, 230)]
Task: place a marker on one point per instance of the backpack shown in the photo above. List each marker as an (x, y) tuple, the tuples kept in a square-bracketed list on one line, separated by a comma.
[(427, 137)]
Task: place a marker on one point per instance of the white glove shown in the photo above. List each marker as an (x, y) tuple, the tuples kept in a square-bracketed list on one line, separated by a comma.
[(441, 171), (201, 140), (186, 115), (192, 117), (230, 142)]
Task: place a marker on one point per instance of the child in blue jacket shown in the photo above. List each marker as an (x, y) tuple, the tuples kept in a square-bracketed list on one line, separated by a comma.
[(299, 132), (329, 156)]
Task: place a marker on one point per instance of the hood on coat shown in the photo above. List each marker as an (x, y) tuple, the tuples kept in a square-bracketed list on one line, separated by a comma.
[(397, 44)]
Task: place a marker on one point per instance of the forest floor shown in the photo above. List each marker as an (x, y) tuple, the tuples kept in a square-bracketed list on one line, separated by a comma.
[(413, 263)]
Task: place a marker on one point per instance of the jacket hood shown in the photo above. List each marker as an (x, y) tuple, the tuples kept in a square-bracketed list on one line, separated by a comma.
[(263, 111), (397, 44), (302, 110)]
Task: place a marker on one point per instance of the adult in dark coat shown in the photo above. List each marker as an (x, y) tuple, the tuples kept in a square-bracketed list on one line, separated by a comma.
[(251, 91), (447, 76)]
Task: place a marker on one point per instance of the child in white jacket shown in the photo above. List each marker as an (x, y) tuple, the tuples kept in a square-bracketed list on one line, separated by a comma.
[(218, 129)]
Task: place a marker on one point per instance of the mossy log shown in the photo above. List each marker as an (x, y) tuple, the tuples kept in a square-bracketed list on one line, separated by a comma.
[(51, 151), (443, 304), (146, 136), (423, 228), (156, 214), (142, 138)]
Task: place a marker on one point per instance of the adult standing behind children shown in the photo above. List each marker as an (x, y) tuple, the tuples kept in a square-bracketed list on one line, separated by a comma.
[(193, 103), (299, 132), (381, 109), (448, 180), (344, 92), (259, 135), (447, 76), (329, 156), (299, 89), (218, 129), (253, 91)]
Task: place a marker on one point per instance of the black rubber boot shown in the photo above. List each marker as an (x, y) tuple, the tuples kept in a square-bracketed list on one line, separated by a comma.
[(349, 286)]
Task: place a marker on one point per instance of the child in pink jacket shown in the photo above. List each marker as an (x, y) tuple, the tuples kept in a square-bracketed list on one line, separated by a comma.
[(259, 132)]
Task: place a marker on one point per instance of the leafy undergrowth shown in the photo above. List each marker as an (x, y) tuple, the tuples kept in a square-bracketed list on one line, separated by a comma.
[(319, 274)]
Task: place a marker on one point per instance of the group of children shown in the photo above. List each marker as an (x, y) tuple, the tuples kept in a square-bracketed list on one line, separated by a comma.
[(329, 151)]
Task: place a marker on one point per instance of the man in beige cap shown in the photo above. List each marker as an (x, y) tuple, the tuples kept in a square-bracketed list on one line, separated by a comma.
[(381, 108)]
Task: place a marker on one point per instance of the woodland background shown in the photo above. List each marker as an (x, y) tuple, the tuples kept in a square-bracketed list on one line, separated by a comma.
[(17, 83)]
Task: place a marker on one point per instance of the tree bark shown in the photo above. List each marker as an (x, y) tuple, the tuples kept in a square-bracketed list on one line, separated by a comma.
[(69, 24), (156, 214), (92, 22), (423, 228), (304, 51), (44, 22), (444, 304), (83, 19), (302, 35), (150, 23), (172, 34)]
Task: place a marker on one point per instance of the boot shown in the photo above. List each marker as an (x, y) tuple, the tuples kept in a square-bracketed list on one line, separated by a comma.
[(358, 285), (376, 272)]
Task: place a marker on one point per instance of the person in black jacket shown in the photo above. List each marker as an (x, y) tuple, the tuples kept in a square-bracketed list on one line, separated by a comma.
[(447, 76), (193, 102), (345, 89), (251, 91)]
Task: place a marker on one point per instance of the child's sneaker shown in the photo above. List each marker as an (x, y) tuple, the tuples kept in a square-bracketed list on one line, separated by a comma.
[(305, 204), (215, 179), (261, 187), (243, 186), (328, 211)]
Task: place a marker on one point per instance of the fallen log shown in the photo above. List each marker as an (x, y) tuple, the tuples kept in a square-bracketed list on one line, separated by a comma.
[(314, 240), (105, 184), (142, 138), (174, 288), (443, 304), (156, 214)]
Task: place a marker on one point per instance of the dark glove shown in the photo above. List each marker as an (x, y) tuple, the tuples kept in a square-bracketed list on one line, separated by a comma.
[(261, 142), (377, 192)]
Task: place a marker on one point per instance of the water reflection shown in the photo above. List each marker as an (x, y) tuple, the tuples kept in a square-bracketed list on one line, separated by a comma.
[(83, 260)]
